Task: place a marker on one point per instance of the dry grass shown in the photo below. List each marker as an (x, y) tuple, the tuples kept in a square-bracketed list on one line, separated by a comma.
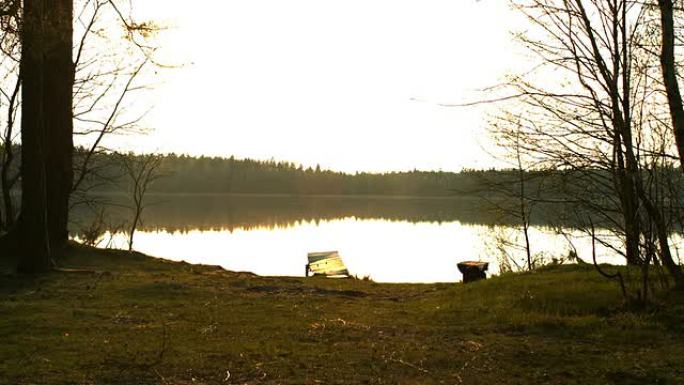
[(140, 320)]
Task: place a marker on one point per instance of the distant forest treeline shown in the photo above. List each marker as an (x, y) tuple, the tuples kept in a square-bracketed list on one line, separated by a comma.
[(183, 174), (186, 174)]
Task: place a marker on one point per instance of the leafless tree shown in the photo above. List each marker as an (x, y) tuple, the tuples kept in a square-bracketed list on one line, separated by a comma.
[(593, 122), (10, 95), (507, 194), (141, 171), (111, 69), (112, 55), (9, 174)]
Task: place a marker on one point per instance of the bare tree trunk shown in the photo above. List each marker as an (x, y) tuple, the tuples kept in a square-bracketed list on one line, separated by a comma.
[(668, 65), (134, 226), (524, 214), (662, 235), (8, 203), (58, 102), (6, 181), (143, 171), (630, 202), (31, 231), (47, 74)]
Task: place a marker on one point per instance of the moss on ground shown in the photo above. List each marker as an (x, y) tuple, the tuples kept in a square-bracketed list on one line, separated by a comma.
[(140, 320)]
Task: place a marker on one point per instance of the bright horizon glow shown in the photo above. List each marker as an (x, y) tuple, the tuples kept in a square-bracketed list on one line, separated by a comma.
[(351, 85)]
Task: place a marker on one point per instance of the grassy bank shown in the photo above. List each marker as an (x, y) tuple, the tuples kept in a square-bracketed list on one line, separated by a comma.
[(138, 320)]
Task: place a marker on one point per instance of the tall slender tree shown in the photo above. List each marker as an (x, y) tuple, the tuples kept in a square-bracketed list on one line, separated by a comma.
[(668, 66)]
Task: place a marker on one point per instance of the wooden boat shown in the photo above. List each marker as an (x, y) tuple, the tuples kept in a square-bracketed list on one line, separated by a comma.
[(326, 263)]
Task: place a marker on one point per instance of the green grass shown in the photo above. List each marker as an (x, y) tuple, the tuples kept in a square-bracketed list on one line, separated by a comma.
[(140, 320)]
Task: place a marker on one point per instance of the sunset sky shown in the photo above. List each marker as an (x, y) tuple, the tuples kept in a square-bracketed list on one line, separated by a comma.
[(350, 85)]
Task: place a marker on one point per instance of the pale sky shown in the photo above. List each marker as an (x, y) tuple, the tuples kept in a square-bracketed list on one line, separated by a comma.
[(347, 84)]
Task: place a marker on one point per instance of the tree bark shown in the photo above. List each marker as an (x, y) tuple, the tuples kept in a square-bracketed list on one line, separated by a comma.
[(32, 244), (58, 101), (47, 74)]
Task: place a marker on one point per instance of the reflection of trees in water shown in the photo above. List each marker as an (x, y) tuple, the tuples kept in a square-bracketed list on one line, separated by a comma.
[(246, 212)]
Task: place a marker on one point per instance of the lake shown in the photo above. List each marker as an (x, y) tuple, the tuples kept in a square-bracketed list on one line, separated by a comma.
[(398, 239)]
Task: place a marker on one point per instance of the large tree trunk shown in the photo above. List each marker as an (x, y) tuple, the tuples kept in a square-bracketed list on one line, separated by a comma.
[(31, 234), (58, 98), (47, 73)]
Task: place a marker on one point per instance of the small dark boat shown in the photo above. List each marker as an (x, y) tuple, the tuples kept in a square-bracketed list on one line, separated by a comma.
[(473, 271)]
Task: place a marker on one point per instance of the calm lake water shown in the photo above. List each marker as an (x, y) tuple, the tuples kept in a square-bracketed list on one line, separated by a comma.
[(388, 240)]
